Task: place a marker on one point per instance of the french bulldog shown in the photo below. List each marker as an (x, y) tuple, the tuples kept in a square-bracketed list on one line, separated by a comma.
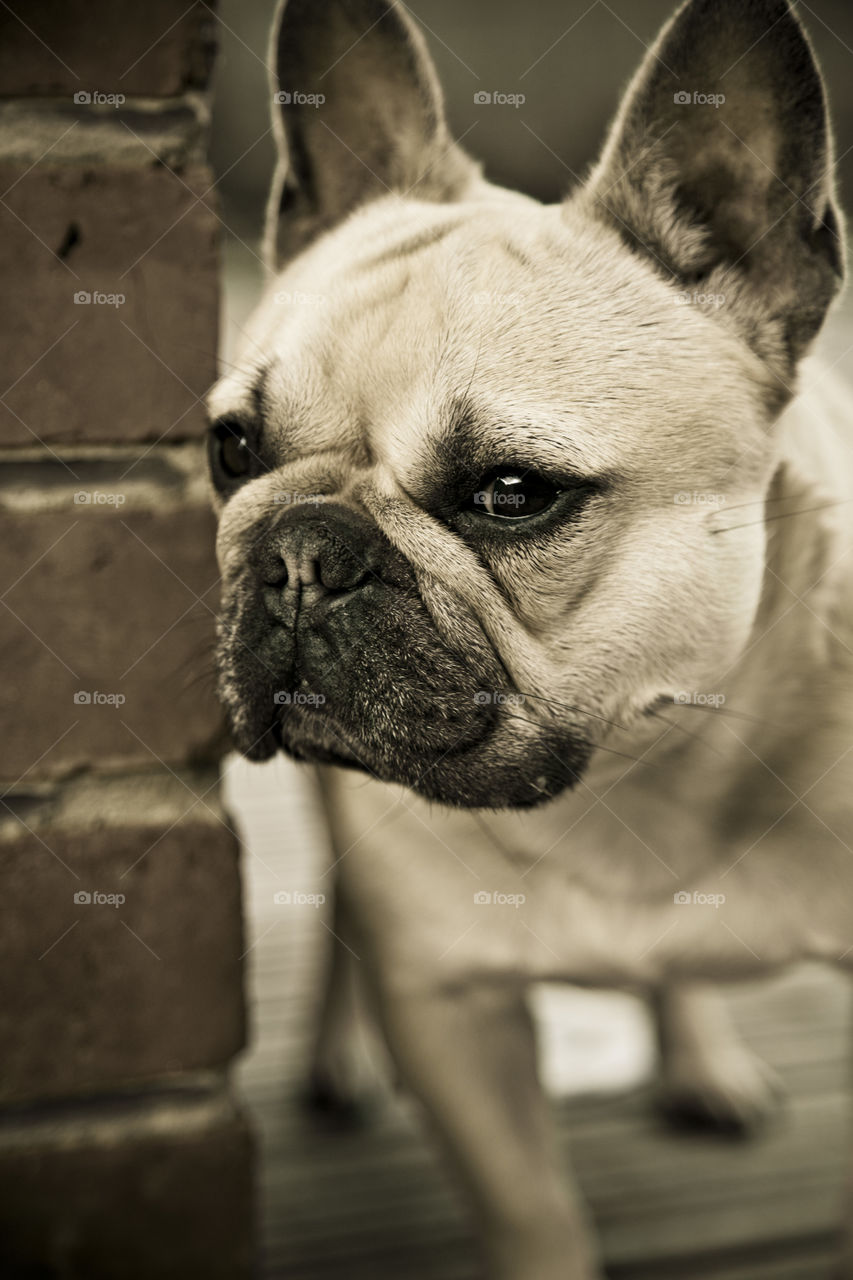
[(534, 535)]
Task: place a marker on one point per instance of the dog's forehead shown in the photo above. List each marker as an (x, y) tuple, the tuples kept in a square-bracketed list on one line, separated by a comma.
[(410, 307)]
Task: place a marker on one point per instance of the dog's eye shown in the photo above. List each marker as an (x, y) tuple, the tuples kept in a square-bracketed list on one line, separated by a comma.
[(513, 496), (230, 453)]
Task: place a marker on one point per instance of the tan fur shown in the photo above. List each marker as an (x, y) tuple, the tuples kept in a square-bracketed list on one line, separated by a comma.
[(573, 345)]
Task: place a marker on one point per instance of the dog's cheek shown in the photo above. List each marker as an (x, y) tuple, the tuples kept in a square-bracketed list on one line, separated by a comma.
[(674, 611), (711, 607), (231, 539), (738, 582)]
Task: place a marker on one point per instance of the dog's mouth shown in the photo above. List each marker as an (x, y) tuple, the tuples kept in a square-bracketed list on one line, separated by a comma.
[(472, 758), (361, 678), (322, 743), (490, 768)]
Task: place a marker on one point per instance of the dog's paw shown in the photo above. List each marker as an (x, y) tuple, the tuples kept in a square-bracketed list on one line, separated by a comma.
[(343, 1089), (733, 1092), (334, 1104)]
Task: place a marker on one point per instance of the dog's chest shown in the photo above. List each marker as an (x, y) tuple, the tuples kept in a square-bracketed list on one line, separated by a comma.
[(580, 893)]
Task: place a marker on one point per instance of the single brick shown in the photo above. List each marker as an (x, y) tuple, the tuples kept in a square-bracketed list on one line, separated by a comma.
[(121, 936), (109, 591), (161, 1187), (109, 243), (159, 48)]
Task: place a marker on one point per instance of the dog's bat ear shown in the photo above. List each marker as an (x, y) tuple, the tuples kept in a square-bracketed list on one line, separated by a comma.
[(357, 113), (719, 168)]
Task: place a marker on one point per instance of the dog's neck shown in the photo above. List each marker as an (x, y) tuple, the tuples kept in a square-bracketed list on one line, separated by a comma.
[(782, 698), (809, 516), (783, 719)]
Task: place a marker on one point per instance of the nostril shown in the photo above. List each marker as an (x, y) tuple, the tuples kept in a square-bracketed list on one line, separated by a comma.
[(309, 560), (273, 572), (340, 572)]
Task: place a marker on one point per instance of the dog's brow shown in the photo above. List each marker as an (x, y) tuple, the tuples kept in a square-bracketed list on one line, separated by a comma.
[(258, 396), (521, 256), (283, 419), (472, 439), (271, 403), (402, 248)]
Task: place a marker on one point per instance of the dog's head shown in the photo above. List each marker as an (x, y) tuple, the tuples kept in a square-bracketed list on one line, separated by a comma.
[(474, 465)]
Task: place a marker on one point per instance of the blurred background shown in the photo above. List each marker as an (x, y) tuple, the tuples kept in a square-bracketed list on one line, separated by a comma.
[(570, 58), (374, 1202)]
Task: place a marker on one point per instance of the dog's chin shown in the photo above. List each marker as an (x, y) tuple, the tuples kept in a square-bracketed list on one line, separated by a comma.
[(490, 774)]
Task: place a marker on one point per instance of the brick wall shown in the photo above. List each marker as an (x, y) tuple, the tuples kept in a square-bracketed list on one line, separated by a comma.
[(122, 1153)]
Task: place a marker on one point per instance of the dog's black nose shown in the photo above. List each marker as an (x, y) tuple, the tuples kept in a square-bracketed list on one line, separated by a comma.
[(314, 561), (314, 554)]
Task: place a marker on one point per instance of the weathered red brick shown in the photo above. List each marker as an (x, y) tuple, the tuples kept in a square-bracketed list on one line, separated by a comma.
[(159, 48), (159, 1188), (128, 220), (108, 599), (97, 993)]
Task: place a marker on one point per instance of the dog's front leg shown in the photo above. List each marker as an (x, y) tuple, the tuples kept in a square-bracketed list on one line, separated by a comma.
[(470, 1057), (341, 1078)]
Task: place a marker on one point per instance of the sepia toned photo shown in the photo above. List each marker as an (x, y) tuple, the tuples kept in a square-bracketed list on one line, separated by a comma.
[(426, 479)]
